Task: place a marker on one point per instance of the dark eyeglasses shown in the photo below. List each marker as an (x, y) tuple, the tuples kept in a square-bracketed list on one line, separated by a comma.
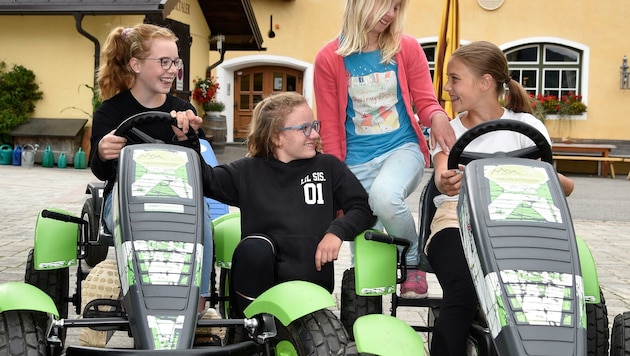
[(307, 129), (167, 63)]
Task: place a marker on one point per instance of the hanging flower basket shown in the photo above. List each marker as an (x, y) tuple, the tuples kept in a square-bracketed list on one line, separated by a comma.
[(205, 91)]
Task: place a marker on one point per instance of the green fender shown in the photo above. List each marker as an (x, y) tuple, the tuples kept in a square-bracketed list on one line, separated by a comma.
[(55, 242), (589, 272), (23, 296), (290, 301), (385, 335), (374, 267), (226, 235)]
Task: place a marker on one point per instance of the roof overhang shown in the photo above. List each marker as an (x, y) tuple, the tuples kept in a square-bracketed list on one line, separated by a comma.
[(100, 7), (235, 21)]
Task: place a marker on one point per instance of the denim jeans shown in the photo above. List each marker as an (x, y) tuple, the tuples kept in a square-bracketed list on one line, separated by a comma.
[(206, 267), (389, 179)]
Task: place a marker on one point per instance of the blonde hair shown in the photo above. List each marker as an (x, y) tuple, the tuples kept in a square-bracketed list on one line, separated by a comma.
[(268, 118), (483, 57), (115, 74), (360, 17)]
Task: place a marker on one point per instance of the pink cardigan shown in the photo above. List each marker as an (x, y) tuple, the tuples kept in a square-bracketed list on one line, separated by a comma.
[(331, 93)]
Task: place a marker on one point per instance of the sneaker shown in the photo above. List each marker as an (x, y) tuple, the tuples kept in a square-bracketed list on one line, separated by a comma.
[(415, 286)]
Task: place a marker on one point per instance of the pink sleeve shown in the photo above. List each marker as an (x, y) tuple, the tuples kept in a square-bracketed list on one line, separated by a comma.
[(420, 82), (327, 102)]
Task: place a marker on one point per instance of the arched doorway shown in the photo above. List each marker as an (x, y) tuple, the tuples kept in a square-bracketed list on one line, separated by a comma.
[(253, 84), (241, 92)]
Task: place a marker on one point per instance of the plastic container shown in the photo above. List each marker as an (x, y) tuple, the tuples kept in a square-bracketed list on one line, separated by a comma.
[(6, 155), (48, 158), (28, 155), (62, 161), (80, 159), (17, 155)]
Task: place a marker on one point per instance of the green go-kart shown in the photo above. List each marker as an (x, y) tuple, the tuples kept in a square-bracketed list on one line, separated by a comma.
[(536, 281), (158, 244)]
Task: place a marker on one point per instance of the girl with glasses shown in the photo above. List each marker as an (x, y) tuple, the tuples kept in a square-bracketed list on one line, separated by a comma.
[(288, 194), (138, 67)]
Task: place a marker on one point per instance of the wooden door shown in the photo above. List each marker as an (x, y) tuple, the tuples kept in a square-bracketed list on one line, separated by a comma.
[(255, 83)]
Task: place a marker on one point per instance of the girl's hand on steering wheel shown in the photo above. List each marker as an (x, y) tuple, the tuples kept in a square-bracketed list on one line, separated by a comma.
[(110, 145), (186, 120)]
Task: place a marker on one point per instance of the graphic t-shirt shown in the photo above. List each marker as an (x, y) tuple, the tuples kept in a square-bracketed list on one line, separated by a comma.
[(376, 119)]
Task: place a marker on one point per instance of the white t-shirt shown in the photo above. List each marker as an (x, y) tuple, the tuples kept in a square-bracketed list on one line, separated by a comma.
[(505, 141)]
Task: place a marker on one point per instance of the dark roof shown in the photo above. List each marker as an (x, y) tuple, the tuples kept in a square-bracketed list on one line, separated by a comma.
[(88, 7), (234, 19)]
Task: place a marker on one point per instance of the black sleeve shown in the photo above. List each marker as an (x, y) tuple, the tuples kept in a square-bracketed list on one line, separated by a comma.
[(352, 198), (222, 182), (104, 121)]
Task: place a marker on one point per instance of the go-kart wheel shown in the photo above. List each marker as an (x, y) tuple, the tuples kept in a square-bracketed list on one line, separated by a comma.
[(23, 333), (597, 327), (95, 253), (55, 283), (542, 148), (224, 293), (620, 339), (318, 333), (354, 306), (129, 129)]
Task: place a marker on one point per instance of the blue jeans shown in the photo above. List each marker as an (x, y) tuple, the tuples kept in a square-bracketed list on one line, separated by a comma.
[(208, 255), (389, 180)]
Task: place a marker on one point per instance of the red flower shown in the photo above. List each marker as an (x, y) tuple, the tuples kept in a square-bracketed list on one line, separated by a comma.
[(205, 90)]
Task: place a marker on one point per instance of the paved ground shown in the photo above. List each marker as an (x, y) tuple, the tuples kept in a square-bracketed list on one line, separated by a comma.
[(599, 206)]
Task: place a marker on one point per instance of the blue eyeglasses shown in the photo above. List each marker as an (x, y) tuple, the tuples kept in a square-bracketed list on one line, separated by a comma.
[(307, 129), (167, 63)]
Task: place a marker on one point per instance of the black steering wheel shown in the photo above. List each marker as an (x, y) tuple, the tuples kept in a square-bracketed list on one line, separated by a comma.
[(129, 126), (542, 148)]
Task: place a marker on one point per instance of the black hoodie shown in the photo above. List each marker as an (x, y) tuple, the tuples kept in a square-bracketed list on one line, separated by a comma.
[(295, 203)]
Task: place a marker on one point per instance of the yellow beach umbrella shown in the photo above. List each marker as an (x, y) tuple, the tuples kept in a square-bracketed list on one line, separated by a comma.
[(446, 45)]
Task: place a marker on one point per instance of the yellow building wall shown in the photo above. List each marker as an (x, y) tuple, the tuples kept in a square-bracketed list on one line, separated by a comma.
[(62, 59)]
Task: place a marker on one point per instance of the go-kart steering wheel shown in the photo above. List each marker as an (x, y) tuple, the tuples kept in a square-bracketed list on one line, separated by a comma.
[(542, 148), (129, 126)]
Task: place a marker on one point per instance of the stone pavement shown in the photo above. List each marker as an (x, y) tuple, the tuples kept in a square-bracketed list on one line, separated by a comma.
[(599, 208)]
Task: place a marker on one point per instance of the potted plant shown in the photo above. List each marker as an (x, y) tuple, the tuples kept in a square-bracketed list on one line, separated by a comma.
[(214, 106), (214, 124)]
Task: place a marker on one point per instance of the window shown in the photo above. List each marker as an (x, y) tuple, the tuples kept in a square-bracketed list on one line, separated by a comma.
[(429, 51), (545, 68)]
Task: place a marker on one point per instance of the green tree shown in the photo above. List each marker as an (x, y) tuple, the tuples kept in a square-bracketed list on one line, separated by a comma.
[(18, 94)]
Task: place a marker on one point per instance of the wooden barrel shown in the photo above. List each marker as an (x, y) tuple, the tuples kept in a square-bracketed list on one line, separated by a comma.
[(215, 128)]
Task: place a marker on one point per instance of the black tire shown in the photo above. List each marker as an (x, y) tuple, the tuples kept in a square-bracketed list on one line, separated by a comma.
[(316, 334), (55, 283), (597, 327), (224, 304), (22, 333), (354, 306), (95, 253), (620, 339)]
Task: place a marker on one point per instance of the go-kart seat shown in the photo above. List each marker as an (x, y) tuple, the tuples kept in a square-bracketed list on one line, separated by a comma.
[(427, 211), (216, 208)]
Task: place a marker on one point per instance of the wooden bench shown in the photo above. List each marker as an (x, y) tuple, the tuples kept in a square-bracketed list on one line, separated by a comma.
[(607, 160), (62, 135), (627, 160)]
